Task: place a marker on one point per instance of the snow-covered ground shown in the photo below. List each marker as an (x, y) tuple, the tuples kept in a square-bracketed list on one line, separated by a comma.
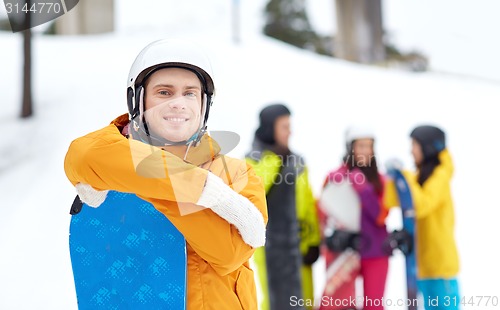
[(79, 86)]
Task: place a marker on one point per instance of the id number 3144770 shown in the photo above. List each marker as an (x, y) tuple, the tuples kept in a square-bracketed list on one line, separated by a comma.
[(34, 8), (467, 302)]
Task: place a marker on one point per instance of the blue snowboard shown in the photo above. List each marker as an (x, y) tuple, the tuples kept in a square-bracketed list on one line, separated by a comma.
[(125, 254), (406, 203)]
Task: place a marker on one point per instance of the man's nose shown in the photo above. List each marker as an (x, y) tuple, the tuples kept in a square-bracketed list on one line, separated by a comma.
[(177, 103)]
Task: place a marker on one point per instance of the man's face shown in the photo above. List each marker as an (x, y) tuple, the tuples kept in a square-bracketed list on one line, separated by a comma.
[(173, 103), (282, 130)]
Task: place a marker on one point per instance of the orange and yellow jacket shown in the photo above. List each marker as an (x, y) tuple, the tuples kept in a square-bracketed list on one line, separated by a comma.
[(218, 272), (436, 251)]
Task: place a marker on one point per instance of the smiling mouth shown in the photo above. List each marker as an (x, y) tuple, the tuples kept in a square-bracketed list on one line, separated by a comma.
[(176, 119)]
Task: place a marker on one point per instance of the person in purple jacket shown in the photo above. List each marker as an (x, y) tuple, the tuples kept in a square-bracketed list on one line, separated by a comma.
[(359, 167)]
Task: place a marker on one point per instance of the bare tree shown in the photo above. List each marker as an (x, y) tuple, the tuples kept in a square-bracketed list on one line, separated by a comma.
[(27, 104), (235, 8), (360, 31), (287, 21)]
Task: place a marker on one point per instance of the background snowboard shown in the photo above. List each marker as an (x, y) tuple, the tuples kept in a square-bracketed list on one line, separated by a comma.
[(407, 210), (126, 255), (341, 206)]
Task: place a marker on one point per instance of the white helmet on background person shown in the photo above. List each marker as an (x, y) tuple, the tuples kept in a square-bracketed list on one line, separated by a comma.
[(355, 133), (168, 54)]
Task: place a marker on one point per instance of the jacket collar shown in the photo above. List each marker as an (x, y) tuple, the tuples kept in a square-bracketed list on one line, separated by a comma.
[(204, 151)]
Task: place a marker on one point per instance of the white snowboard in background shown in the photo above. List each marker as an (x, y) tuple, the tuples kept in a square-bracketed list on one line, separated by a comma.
[(341, 203)]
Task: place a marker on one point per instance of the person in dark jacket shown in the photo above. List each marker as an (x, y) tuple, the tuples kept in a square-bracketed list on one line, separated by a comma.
[(292, 240)]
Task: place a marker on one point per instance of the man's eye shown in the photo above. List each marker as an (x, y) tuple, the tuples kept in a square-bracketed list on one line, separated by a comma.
[(190, 94), (164, 92)]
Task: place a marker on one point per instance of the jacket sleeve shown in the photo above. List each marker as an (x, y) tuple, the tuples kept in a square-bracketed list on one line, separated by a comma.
[(267, 168), (307, 213), (390, 198), (213, 239), (371, 205), (322, 215), (370, 201), (432, 194), (106, 160)]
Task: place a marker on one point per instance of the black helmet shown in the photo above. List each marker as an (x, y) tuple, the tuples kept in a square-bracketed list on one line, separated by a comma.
[(431, 139), (267, 117)]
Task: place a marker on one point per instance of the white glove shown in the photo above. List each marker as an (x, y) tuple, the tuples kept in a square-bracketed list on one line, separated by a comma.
[(394, 164), (235, 209), (89, 195)]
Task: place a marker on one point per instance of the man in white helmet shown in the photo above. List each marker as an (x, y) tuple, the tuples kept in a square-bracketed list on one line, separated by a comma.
[(161, 152)]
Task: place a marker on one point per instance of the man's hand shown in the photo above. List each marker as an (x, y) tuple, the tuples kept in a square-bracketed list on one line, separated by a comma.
[(235, 209), (89, 195)]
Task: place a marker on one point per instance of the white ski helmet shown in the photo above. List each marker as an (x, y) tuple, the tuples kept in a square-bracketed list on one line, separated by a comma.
[(357, 132), (164, 54)]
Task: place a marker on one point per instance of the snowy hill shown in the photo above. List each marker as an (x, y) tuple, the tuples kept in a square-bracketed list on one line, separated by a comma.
[(80, 82)]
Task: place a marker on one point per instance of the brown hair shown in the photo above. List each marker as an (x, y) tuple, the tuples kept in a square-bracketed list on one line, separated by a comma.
[(370, 171), (426, 168)]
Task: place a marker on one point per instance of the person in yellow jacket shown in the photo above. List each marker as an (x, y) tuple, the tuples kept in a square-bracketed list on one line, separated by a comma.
[(284, 265), (161, 152), (436, 250)]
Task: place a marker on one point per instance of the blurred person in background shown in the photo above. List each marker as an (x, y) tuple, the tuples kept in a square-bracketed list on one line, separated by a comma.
[(430, 185), (284, 265), (359, 169)]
